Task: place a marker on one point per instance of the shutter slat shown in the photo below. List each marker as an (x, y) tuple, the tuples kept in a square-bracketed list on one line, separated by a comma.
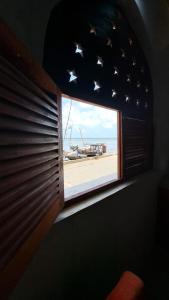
[(22, 226), (16, 75), (17, 239), (17, 165), (16, 194), (17, 179), (13, 208), (30, 163), (15, 87), (25, 150), (12, 138), (17, 219), (23, 102), (10, 123), (136, 146), (7, 109)]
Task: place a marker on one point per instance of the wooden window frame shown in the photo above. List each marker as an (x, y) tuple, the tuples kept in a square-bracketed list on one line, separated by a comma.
[(109, 184)]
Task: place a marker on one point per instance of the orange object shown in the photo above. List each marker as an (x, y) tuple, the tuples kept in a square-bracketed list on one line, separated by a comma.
[(129, 287)]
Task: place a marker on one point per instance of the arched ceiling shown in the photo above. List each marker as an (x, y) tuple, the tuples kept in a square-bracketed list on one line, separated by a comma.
[(110, 57)]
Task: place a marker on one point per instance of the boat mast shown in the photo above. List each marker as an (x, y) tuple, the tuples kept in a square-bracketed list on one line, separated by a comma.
[(70, 137), (81, 136), (66, 128)]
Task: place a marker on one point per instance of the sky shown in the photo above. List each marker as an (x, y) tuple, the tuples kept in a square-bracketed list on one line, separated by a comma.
[(93, 121)]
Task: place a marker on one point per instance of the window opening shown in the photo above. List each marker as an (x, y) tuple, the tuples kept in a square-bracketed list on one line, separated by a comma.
[(90, 146)]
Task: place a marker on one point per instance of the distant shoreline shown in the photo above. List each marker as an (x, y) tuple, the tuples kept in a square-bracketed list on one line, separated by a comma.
[(88, 158), (86, 138), (111, 143)]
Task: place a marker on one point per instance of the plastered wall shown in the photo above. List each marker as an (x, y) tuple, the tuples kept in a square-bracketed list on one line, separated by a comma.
[(84, 255)]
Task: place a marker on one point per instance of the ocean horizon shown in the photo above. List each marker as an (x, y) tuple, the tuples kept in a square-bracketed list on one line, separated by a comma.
[(111, 143)]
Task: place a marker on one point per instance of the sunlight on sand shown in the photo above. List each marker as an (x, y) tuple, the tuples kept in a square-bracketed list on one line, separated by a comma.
[(81, 175)]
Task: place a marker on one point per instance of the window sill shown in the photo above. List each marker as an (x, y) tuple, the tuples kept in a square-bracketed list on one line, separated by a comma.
[(69, 201), (91, 200)]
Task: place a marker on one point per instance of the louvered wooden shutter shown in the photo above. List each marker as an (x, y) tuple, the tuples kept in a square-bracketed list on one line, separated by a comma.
[(137, 146), (31, 172)]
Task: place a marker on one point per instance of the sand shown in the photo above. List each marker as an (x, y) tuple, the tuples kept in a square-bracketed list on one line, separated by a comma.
[(83, 174)]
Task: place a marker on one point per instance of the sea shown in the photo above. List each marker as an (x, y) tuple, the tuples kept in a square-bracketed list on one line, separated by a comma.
[(111, 143)]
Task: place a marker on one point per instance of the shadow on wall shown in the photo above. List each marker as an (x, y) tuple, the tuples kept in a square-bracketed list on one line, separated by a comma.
[(85, 254), (151, 19), (28, 19)]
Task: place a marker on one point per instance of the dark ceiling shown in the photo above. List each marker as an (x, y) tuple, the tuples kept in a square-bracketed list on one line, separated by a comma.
[(100, 30)]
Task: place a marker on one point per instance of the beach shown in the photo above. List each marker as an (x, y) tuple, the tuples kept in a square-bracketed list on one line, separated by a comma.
[(82, 174)]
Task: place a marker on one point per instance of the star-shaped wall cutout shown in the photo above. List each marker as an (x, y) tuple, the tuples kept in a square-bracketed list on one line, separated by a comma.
[(127, 98), (146, 105), (96, 86), (123, 54), (130, 41), (138, 84), (109, 42), (138, 102), (116, 71), (79, 50), (114, 26), (92, 30), (99, 61), (73, 76), (114, 93), (128, 78), (134, 62)]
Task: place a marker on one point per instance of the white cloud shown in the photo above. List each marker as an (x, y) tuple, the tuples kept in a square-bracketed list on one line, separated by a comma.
[(88, 116)]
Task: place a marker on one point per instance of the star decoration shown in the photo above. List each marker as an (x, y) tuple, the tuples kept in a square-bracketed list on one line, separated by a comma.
[(79, 49), (114, 26), (134, 62), (109, 42), (127, 98), (128, 79), (73, 76), (137, 102), (116, 71), (100, 61), (138, 84), (114, 93), (130, 41), (128, 71), (123, 54), (96, 86), (93, 30), (146, 105)]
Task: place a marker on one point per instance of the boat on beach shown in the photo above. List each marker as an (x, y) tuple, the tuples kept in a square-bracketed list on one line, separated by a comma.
[(85, 151), (92, 149)]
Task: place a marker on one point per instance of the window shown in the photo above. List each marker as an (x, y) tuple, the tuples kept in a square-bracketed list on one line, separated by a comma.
[(90, 146), (96, 57)]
